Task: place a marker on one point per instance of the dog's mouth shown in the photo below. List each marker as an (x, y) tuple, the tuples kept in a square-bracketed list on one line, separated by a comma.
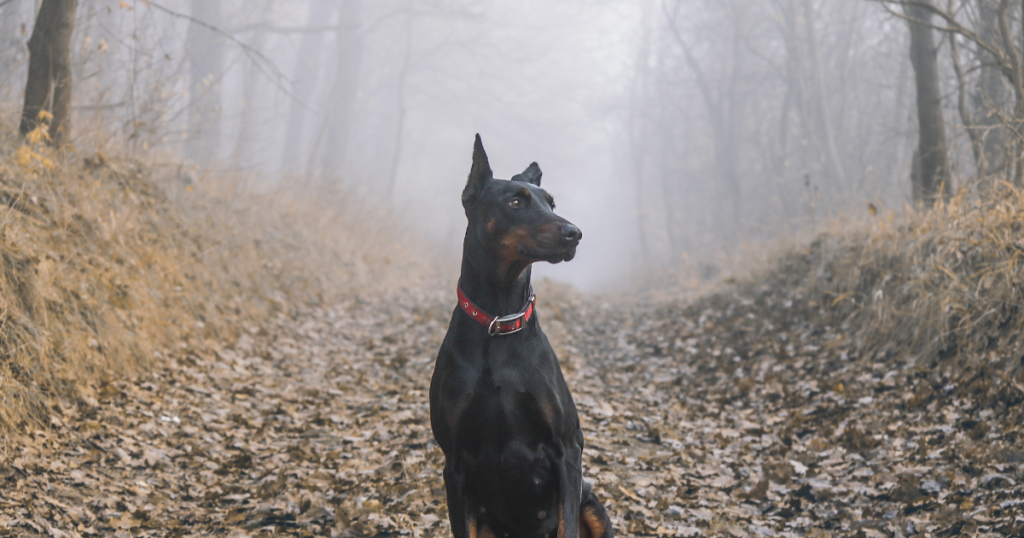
[(568, 254), (555, 255)]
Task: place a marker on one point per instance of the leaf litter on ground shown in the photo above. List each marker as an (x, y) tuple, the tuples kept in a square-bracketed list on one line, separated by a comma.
[(738, 414)]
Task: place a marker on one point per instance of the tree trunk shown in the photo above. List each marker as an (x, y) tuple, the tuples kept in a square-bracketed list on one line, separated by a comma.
[(905, 120), (1014, 71), (403, 75), (49, 69), (12, 45), (805, 79), (990, 98), (823, 120), (973, 133), (254, 81), (722, 109), (637, 127), (330, 150), (206, 66), (307, 70), (934, 175), (915, 177)]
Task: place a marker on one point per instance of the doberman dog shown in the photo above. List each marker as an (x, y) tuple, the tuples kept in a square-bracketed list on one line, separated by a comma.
[(499, 406)]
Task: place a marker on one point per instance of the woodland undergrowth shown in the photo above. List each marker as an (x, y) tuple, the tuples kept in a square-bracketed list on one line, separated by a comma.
[(109, 263), (215, 358), (942, 289)]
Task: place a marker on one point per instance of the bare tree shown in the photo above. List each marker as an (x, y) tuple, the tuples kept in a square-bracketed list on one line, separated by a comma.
[(252, 83), (724, 106), (982, 111), (638, 126), (400, 99), (755, 115), (994, 27), (805, 80), (49, 69), (304, 79), (989, 98), (206, 67), (932, 183), (11, 45), (332, 141)]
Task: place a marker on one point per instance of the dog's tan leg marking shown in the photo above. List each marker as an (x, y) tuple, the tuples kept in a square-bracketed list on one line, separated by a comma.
[(591, 525), (476, 530), (486, 532)]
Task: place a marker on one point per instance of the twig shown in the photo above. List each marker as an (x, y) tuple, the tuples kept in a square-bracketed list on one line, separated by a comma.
[(260, 60), (965, 113), (952, 25), (41, 403), (1011, 382), (80, 438)]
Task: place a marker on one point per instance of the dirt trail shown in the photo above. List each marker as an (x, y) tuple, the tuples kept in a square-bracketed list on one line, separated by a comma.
[(734, 416)]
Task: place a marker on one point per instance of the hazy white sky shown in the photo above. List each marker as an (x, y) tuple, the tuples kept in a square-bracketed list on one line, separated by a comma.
[(540, 81)]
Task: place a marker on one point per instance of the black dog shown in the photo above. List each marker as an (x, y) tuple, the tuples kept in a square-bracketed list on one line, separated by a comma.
[(499, 406)]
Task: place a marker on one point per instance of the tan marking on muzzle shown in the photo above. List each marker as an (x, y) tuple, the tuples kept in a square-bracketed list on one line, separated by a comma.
[(509, 248)]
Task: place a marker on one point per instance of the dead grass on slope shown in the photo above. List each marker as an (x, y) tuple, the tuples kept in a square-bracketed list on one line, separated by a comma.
[(942, 288), (106, 262)]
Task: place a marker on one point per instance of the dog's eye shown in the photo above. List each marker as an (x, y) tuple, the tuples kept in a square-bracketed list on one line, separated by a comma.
[(516, 203)]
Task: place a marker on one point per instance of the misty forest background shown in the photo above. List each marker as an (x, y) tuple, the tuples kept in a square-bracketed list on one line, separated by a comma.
[(228, 235), (671, 131)]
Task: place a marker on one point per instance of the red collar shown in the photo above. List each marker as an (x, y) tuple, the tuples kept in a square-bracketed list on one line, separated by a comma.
[(498, 326)]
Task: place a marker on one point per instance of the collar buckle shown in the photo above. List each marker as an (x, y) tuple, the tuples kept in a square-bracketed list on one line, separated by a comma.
[(496, 326)]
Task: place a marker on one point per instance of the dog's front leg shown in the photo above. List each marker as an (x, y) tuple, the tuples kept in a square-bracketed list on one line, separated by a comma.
[(570, 490), (456, 503), (594, 522)]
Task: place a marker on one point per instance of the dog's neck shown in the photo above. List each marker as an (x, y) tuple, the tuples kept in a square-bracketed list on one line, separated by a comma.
[(481, 283)]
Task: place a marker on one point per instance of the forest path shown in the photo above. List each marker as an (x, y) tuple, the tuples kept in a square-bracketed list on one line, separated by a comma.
[(730, 416)]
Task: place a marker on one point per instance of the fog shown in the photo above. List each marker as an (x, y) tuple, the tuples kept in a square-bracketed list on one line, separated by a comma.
[(668, 131)]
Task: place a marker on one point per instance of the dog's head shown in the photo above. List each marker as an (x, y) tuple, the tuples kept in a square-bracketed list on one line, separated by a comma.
[(515, 217)]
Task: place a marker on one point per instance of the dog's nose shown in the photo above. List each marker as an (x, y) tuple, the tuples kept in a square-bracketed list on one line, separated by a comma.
[(571, 233)]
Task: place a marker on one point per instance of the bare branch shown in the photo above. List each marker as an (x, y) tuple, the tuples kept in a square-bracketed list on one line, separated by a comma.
[(1011, 49), (952, 25), (691, 60), (288, 29), (264, 64), (965, 113)]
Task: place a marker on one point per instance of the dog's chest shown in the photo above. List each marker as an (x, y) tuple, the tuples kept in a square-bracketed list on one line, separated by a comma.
[(502, 370), (514, 389)]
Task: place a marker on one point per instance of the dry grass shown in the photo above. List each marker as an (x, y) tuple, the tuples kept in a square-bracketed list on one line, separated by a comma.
[(104, 263), (942, 288)]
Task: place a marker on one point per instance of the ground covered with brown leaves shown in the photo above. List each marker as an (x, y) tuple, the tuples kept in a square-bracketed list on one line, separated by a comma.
[(739, 414)]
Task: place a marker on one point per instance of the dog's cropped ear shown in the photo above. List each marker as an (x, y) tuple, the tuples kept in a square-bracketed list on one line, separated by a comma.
[(530, 175), (479, 175)]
